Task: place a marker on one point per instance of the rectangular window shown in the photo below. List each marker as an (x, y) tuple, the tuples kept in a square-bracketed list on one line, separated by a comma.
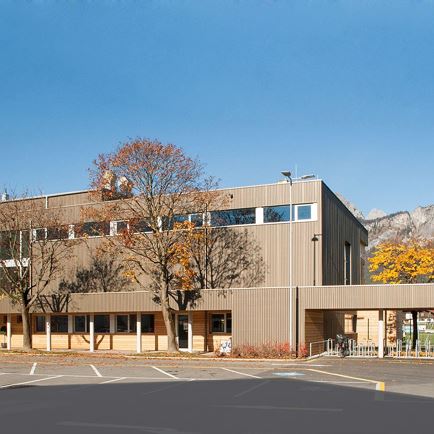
[(92, 229), (196, 219), (40, 324), (274, 214), (102, 323), (39, 234), (221, 323), (25, 244), (140, 226), (228, 323), (14, 245), (122, 324), (147, 325), (242, 216), (304, 212), (347, 264), (61, 233), (80, 324), (59, 323), (121, 227)]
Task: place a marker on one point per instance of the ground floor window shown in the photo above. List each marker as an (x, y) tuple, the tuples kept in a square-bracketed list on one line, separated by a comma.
[(81, 324), (128, 323), (40, 324), (123, 323), (221, 323), (147, 323), (102, 323), (59, 323)]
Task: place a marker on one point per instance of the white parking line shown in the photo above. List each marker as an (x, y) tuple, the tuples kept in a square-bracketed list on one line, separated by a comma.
[(98, 374), (113, 380), (379, 385), (165, 373), (93, 376), (240, 373), (28, 382), (32, 371)]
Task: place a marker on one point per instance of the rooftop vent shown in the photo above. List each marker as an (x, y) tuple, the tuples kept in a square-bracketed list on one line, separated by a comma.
[(5, 196)]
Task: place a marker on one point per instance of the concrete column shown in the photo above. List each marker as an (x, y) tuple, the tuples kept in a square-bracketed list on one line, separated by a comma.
[(380, 334), (112, 324), (48, 331), (9, 332), (190, 332), (91, 333), (70, 324), (139, 333)]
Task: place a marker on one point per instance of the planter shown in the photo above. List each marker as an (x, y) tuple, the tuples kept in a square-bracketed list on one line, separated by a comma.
[(4, 345)]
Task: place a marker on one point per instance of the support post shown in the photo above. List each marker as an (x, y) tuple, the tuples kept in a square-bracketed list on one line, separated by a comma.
[(70, 324), (381, 334), (48, 331), (112, 323), (9, 332), (91, 333), (139, 333), (190, 332)]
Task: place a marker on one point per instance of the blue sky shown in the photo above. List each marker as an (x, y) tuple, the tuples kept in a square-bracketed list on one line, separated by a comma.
[(343, 89)]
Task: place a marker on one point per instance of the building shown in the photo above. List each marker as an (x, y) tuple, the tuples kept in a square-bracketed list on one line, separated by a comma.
[(324, 295)]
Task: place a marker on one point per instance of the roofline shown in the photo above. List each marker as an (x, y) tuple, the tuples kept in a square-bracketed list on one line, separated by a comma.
[(67, 193)]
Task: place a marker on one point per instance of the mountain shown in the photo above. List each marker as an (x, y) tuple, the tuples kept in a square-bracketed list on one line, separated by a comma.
[(402, 225)]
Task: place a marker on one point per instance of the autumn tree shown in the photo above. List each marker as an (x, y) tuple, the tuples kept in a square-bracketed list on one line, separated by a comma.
[(150, 188), (398, 262), (34, 249)]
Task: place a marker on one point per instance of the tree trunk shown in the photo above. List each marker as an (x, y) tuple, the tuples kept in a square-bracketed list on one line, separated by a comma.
[(415, 330), (172, 346), (27, 329)]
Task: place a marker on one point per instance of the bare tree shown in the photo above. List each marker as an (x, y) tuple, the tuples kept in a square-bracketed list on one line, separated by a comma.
[(34, 249)]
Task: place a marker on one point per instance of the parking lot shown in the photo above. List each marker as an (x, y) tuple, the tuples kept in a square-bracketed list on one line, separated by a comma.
[(90, 394)]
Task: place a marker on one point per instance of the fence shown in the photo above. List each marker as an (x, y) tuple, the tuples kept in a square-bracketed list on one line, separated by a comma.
[(423, 350)]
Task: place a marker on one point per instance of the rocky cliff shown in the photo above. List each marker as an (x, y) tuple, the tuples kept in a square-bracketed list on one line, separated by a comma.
[(402, 225)]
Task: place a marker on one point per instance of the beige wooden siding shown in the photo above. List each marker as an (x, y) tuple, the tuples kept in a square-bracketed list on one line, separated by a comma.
[(314, 326), (260, 315), (369, 297), (340, 226)]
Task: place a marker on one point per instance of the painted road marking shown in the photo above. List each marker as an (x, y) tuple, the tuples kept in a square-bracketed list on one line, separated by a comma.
[(32, 371), (288, 374), (240, 373), (379, 385), (301, 366), (93, 376), (98, 374), (165, 373), (113, 380), (28, 382)]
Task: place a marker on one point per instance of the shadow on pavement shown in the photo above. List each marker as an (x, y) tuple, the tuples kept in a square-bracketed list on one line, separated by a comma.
[(225, 406)]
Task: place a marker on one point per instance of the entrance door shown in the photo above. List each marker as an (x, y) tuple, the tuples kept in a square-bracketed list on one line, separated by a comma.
[(183, 332)]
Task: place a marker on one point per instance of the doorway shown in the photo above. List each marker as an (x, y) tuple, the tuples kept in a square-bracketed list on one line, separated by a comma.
[(183, 331)]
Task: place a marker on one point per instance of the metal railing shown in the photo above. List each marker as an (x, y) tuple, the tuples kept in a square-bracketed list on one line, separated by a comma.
[(318, 348), (399, 349), (362, 349)]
